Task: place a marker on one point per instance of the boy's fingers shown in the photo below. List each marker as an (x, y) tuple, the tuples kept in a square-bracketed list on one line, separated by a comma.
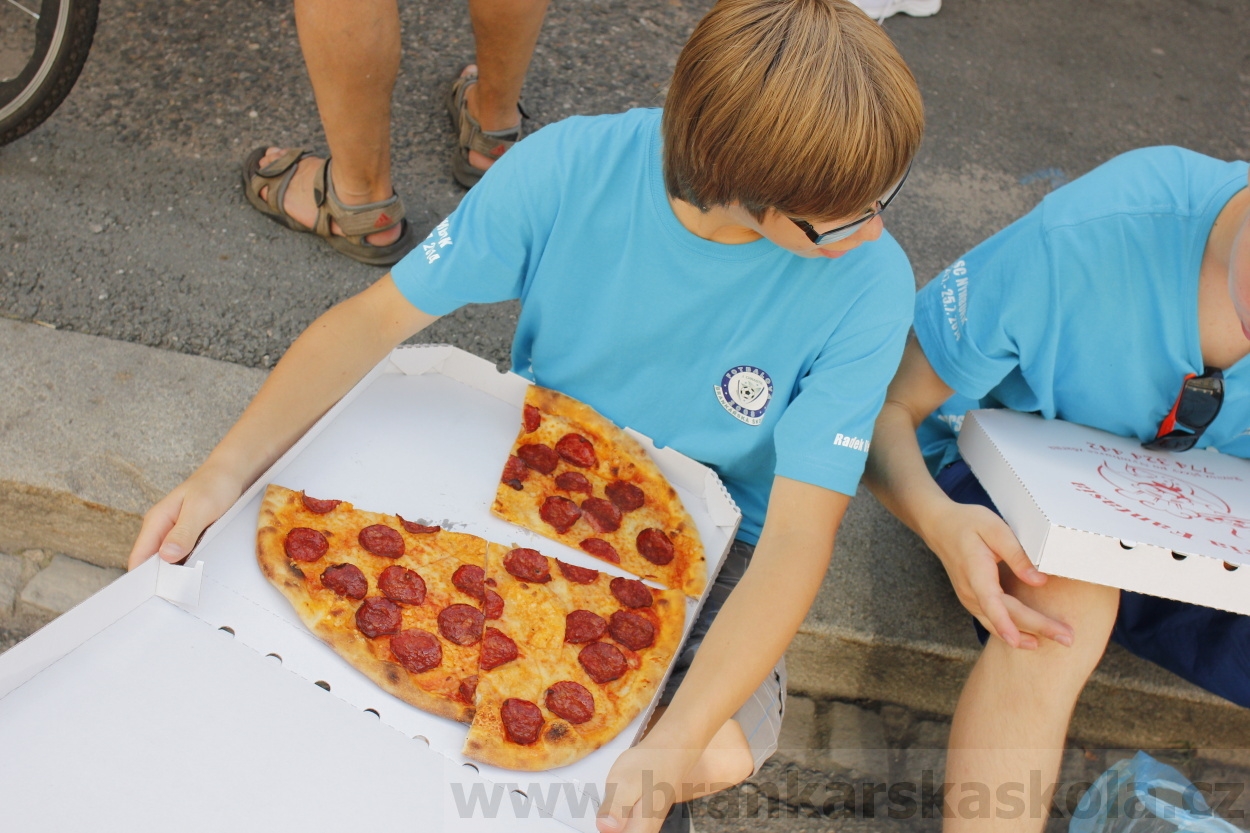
[(192, 521), (156, 525), (609, 824), (1004, 543), (1000, 624), (1038, 623)]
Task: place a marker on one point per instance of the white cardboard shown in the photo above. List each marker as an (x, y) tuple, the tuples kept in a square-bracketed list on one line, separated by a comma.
[(145, 718), (424, 435), (1090, 505)]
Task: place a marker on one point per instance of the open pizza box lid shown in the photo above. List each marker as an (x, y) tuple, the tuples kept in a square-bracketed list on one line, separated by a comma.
[(1090, 505), (217, 695)]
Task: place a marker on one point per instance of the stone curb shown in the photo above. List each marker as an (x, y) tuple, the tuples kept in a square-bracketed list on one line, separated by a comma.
[(97, 430)]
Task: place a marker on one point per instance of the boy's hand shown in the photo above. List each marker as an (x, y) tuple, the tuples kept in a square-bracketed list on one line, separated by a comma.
[(971, 541), (641, 787), (173, 525)]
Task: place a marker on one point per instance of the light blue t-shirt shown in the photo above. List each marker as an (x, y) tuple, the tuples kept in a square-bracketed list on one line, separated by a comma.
[(1086, 309), (745, 357)]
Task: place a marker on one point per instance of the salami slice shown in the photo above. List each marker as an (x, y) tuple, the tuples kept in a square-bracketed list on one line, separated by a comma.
[(468, 579), (626, 496), (497, 649), (603, 661), (399, 584), (631, 592), (571, 701), (417, 650), (345, 579), (532, 418), (602, 515), (416, 528), (576, 449), (560, 512), (633, 631), (492, 605), (461, 624), (318, 507), (577, 575), (468, 688), (574, 481), (522, 721), (514, 472), (582, 626), (539, 457), (654, 546), (378, 617), (305, 545), (600, 548), (528, 565), (380, 539)]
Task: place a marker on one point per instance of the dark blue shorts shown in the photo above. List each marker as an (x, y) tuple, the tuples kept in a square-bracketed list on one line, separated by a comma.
[(1208, 647)]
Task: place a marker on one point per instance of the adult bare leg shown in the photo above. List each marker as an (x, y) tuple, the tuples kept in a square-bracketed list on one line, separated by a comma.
[(506, 32), (352, 52), (1012, 718)]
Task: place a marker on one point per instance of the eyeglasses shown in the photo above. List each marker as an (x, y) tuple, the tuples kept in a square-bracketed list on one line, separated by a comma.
[(1196, 408), (822, 238)]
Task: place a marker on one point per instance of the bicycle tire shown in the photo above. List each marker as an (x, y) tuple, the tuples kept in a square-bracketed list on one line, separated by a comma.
[(63, 38)]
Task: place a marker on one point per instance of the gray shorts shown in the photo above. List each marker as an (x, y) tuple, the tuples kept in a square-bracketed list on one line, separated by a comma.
[(760, 715)]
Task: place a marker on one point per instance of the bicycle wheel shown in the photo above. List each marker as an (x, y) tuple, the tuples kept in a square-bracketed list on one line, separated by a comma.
[(43, 45)]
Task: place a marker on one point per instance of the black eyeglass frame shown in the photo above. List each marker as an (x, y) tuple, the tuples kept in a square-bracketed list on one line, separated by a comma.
[(823, 238), (1193, 396)]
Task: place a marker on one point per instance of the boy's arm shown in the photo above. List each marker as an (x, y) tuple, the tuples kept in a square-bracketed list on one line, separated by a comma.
[(970, 540), (328, 358), (746, 640)]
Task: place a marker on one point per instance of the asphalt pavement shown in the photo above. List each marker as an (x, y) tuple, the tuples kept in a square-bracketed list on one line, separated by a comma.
[(123, 217)]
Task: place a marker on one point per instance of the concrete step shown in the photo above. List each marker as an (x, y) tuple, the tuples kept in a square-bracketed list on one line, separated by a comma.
[(96, 430)]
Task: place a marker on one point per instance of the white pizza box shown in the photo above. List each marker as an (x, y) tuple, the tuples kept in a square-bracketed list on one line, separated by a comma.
[(425, 435), (1090, 505), (131, 713)]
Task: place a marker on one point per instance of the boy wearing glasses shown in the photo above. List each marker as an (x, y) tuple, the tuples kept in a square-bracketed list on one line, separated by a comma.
[(1121, 302), (715, 276)]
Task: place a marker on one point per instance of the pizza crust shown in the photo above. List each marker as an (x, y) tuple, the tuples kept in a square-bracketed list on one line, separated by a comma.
[(331, 618)]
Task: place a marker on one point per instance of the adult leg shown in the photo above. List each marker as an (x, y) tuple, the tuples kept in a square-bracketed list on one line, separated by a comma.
[(352, 52), (1012, 718), (506, 32)]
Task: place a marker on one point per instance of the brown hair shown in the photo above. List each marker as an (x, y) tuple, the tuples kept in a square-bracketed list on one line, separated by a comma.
[(800, 105)]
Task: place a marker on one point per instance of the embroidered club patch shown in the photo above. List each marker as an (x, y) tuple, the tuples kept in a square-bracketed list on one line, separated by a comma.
[(745, 392)]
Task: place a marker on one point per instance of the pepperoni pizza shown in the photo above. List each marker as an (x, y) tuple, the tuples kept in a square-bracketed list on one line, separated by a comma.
[(578, 479), (547, 661)]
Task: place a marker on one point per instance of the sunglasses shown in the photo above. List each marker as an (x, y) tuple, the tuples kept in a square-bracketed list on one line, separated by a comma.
[(822, 238), (1196, 408)]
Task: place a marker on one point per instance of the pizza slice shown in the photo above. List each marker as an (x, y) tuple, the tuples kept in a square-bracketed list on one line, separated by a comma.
[(401, 601), (576, 478), (590, 653)]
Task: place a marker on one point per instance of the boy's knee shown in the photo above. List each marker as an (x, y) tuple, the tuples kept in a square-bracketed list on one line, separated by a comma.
[(1089, 609)]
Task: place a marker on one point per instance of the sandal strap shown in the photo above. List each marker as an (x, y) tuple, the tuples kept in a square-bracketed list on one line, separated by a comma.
[(354, 221), (277, 176), (490, 143)]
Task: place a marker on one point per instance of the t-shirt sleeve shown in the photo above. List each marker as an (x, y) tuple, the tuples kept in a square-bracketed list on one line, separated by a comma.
[(485, 250), (824, 435), (982, 313)]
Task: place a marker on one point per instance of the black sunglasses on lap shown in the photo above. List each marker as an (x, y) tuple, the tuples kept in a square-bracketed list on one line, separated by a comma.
[(1196, 408)]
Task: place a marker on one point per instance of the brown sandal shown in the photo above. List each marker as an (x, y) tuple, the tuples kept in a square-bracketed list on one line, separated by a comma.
[(490, 143), (355, 221)]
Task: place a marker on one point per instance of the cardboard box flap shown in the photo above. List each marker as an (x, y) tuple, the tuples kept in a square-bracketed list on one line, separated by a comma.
[(65, 633)]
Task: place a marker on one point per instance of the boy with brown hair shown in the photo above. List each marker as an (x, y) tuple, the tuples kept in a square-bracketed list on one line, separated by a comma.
[(715, 276)]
